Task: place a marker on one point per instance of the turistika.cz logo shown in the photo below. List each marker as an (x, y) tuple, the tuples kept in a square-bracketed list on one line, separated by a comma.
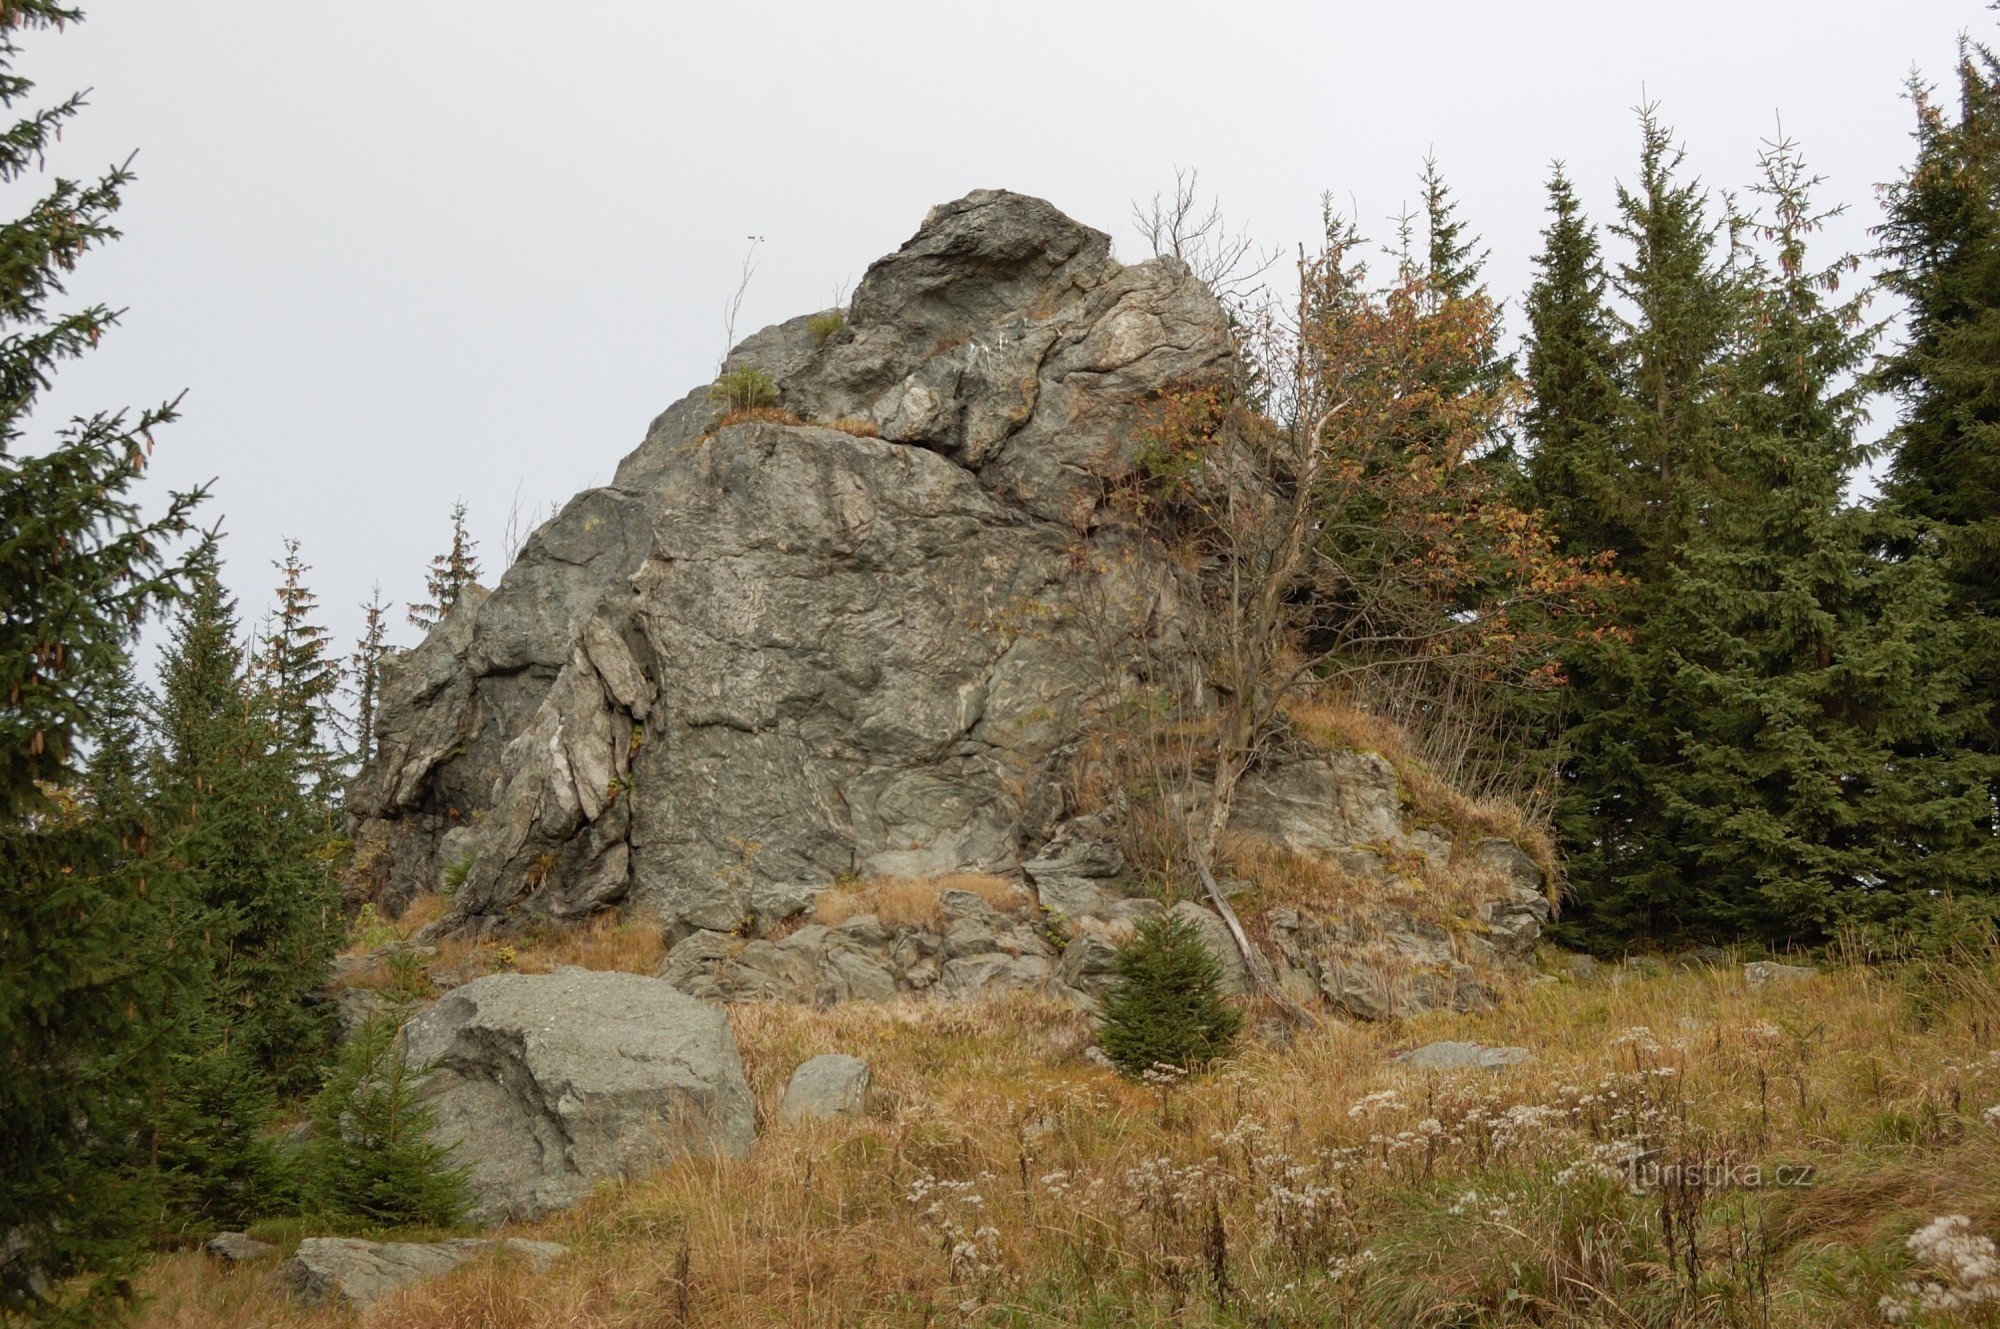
[(1648, 1172)]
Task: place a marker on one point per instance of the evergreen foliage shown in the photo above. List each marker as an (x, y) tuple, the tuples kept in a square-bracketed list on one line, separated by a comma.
[(1768, 745), (365, 674), (1572, 473), (254, 848), (1167, 1007), (450, 573), (372, 1159), (1454, 269), (302, 677), (1941, 247), (90, 965)]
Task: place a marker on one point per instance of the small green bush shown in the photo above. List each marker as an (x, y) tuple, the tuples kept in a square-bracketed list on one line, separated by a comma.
[(826, 325), (744, 390), (371, 1159), (1167, 1007)]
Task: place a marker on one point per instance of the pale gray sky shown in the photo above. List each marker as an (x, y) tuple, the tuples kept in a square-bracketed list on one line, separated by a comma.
[(405, 251)]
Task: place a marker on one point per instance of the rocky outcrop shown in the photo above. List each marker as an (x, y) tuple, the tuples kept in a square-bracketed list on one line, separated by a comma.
[(868, 630), (348, 1272), (970, 948), (549, 1083), (769, 654)]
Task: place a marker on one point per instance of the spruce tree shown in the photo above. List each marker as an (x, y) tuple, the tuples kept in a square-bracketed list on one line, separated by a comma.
[(1167, 1007), (254, 847), (302, 677), (364, 670), (90, 971), (1771, 747), (1572, 468), (1940, 245), (1820, 777), (1453, 278), (1682, 310), (372, 1159), (450, 573), (1685, 308)]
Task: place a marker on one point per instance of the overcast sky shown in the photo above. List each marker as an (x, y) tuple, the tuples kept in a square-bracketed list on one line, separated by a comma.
[(402, 252)]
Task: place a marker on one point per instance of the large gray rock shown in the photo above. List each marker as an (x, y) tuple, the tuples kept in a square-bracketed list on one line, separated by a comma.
[(348, 1272), (833, 1085), (770, 655), (549, 1083)]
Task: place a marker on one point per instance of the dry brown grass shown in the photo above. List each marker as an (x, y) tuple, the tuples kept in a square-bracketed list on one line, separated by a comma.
[(855, 425), (1332, 723), (606, 942), (422, 911), (188, 1290), (755, 415), (1450, 898), (912, 899), (1107, 1211)]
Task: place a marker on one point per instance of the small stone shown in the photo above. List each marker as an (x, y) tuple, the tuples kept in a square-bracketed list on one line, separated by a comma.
[(829, 1086), (1769, 973), (238, 1248)]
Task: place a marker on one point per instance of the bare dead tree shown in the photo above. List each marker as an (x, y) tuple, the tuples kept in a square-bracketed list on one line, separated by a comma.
[(1177, 225), (735, 305), (1347, 530), (523, 523)]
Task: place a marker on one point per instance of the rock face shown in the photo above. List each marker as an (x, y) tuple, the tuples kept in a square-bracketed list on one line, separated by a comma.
[(770, 654), (868, 630), (355, 1273), (550, 1083)]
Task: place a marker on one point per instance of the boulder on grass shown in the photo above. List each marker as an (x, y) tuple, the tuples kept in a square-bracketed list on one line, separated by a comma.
[(1769, 973), (237, 1248), (550, 1083), (1453, 1056), (830, 1086), (348, 1272)]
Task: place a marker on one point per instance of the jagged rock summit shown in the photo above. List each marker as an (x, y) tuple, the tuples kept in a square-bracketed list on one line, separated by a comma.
[(774, 652), (860, 612)]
